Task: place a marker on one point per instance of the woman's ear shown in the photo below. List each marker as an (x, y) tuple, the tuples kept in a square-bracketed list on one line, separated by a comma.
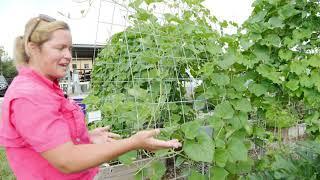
[(32, 49)]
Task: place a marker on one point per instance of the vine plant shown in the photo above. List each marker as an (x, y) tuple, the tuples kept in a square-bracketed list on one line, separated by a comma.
[(265, 76)]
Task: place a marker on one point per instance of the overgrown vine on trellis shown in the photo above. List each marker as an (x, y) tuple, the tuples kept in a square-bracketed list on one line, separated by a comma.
[(265, 76)]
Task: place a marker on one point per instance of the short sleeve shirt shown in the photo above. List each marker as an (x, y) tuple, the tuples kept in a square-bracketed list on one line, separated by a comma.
[(36, 117)]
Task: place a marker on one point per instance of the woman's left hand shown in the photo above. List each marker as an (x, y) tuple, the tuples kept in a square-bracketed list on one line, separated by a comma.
[(102, 135)]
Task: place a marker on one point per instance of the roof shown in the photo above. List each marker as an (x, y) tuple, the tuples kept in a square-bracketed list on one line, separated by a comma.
[(86, 50)]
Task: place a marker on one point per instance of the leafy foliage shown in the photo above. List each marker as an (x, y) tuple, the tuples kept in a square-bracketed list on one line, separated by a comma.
[(297, 162), (266, 75)]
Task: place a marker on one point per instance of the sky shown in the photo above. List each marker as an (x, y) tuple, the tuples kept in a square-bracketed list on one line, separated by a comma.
[(86, 30)]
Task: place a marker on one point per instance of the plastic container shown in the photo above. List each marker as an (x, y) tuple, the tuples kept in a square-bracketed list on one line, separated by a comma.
[(79, 102)]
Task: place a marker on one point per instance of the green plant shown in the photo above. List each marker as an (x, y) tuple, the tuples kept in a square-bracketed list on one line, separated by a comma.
[(5, 170), (266, 75), (298, 161)]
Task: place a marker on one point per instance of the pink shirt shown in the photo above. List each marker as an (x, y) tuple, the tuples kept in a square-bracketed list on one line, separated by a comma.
[(35, 118)]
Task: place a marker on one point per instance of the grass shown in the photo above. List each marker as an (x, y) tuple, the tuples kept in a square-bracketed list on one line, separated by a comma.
[(5, 171)]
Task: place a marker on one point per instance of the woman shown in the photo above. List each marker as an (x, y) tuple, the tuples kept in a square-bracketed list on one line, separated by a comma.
[(44, 133)]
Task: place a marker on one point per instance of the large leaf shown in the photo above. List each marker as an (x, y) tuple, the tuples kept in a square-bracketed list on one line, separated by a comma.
[(315, 61), (157, 170), (257, 89), (238, 84), (221, 157), (194, 175), (224, 110), (270, 72), (258, 17), (137, 93), (191, 129), (128, 157), (276, 22), (219, 173), (298, 67), (227, 60), (237, 150), (243, 105), (272, 40), (285, 54), (293, 84), (200, 149), (221, 79), (287, 11), (262, 53)]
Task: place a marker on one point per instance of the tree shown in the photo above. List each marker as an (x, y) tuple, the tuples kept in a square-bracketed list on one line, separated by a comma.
[(7, 68)]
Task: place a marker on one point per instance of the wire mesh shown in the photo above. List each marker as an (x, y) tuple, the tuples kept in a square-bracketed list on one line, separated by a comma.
[(114, 17)]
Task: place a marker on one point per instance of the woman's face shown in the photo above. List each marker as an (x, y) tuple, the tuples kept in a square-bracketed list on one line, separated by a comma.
[(54, 56)]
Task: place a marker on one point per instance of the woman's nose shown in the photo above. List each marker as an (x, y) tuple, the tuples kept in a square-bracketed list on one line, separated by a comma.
[(68, 54)]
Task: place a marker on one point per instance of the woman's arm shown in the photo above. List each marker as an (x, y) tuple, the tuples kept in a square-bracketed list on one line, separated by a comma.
[(70, 158)]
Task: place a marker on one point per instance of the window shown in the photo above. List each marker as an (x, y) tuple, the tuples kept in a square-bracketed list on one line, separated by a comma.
[(74, 66), (86, 66)]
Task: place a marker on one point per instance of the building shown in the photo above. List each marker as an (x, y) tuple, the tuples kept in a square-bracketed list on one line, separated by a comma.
[(78, 80), (83, 56)]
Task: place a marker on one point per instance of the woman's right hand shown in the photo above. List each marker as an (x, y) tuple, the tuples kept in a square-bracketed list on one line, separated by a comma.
[(145, 140)]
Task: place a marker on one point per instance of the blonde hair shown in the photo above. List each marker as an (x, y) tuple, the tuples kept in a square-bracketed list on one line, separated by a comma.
[(38, 31)]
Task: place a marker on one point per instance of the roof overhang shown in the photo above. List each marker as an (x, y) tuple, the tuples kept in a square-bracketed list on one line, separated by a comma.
[(86, 50)]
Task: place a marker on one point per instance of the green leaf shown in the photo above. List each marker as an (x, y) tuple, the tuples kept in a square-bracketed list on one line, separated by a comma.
[(135, 4), (276, 22), (246, 43), (191, 129), (298, 67), (179, 161), (292, 84), (137, 93), (315, 78), (237, 150), (143, 15), (300, 34), (152, 1), (272, 40), (240, 167), (305, 81), (194, 175), (227, 60), (315, 61), (219, 143), (200, 102), (213, 49), (262, 53), (128, 157), (279, 117), (282, 163), (285, 54), (238, 84), (233, 94), (257, 89), (149, 58), (224, 110), (258, 17), (287, 11), (216, 122), (248, 60), (170, 18), (270, 72), (220, 79), (221, 157), (157, 170), (200, 149), (219, 173), (243, 105)]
